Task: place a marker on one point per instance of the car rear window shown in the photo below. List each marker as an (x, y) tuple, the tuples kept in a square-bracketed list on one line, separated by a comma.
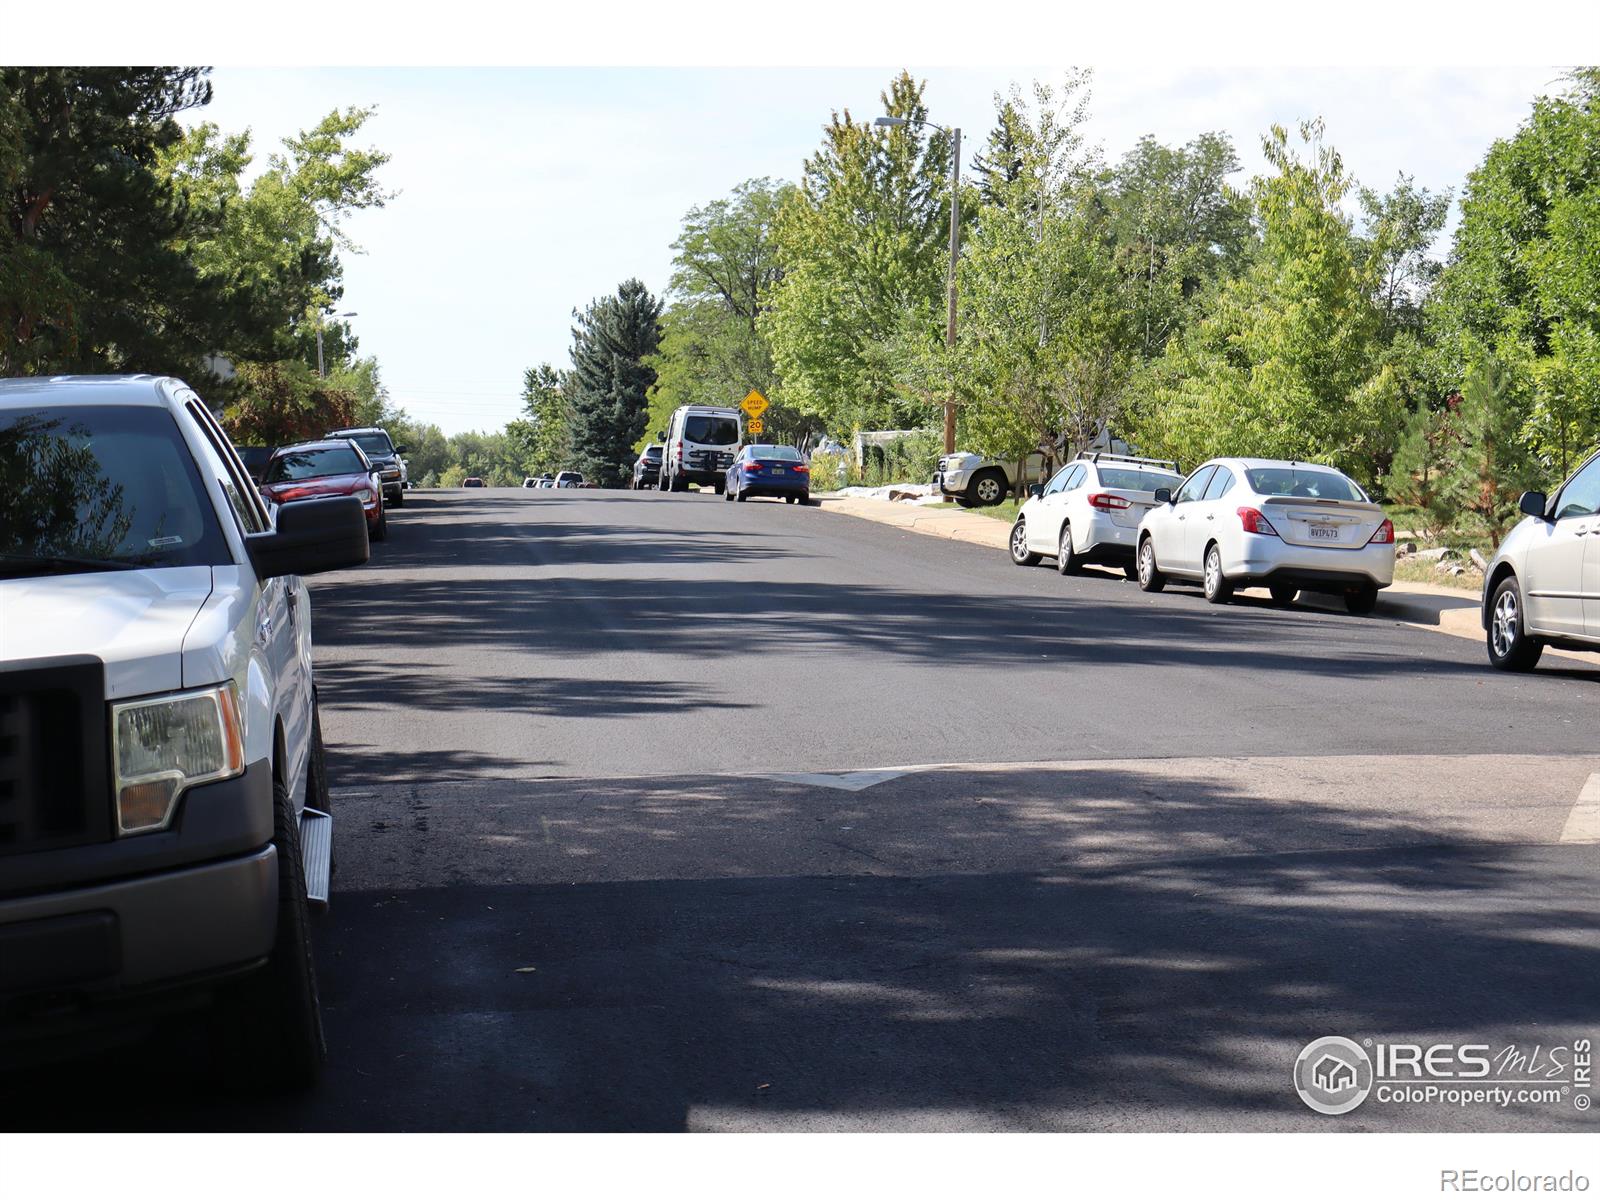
[(1137, 481), (775, 453), (711, 431), (374, 445), (314, 464), (1310, 484)]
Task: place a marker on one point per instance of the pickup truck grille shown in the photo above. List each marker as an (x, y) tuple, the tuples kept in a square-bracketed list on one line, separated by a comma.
[(53, 768)]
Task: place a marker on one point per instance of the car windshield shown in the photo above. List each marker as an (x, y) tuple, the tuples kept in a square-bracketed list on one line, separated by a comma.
[(374, 445), (1309, 484), (775, 453), (314, 464), (1138, 481), (113, 485), (711, 431)]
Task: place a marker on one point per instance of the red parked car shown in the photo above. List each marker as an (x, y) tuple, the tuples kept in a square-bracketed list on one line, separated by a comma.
[(312, 470)]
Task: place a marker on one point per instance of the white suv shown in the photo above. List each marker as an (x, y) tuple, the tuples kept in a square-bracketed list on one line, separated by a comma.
[(1090, 511), (1542, 587), (163, 800)]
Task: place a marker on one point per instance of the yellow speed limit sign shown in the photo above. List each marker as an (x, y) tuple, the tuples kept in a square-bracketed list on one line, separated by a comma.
[(754, 405), (754, 425)]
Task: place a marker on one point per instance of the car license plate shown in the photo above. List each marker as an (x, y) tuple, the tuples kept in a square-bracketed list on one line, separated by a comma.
[(779, 470), (1328, 533)]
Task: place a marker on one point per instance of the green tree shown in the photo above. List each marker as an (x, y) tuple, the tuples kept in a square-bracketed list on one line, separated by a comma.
[(1493, 466), (1284, 361), (1048, 342), (1400, 231), (611, 377), (712, 350), (862, 247), (1523, 279), (1418, 475), (92, 274), (1179, 228), (543, 431)]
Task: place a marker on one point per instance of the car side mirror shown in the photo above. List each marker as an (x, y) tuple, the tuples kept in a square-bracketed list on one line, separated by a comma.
[(1163, 495), (1035, 491), (1534, 504), (311, 536), (661, 435), (402, 449)]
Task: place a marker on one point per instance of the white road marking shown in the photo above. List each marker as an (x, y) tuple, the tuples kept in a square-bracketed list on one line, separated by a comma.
[(849, 781), (1583, 823)]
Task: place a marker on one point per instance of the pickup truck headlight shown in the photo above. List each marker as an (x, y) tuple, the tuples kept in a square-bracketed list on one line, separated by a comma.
[(165, 746)]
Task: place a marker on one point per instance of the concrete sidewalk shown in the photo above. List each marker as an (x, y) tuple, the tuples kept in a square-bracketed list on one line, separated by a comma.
[(1427, 606)]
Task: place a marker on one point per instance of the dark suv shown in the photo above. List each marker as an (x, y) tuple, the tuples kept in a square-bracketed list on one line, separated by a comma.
[(647, 471), (386, 461)]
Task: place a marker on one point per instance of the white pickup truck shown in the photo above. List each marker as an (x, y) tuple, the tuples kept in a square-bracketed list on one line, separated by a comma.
[(164, 820), (978, 482)]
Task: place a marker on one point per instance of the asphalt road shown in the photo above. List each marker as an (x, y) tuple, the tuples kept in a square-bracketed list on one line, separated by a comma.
[(657, 812)]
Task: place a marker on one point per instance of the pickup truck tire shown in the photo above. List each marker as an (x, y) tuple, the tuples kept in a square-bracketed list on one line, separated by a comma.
[(987, 488), (270, 1022), (399, 497)]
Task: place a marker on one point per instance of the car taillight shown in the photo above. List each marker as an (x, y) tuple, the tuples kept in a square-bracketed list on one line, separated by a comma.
[(802, 469), (1385, 534), (1254, 522), (1106, 502), (752, 466)]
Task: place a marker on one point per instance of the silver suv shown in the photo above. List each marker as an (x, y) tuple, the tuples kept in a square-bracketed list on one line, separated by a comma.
[(1542, 587)]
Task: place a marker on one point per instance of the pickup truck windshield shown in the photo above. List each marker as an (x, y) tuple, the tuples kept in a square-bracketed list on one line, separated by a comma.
[(92, 487), (374, 445), (314, 464)]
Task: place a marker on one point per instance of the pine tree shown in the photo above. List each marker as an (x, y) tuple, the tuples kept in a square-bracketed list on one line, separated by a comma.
[(1419, 472), (1494, 467), (611, 381)]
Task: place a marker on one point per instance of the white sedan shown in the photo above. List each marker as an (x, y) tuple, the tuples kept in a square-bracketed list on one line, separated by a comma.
[(1286, 526), (1089, 512)]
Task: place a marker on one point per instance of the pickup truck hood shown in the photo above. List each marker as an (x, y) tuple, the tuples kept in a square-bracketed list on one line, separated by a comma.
[(134, 621)]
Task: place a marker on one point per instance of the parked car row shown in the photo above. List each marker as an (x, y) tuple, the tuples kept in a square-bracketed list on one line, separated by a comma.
[(1232, 523), (564, 479)]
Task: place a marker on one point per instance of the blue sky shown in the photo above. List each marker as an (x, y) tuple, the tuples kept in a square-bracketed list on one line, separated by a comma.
[(527, 191)]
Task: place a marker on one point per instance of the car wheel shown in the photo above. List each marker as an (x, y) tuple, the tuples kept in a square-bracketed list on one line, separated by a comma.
[(1217, 588), (380, 531), (720, 488), (1067, 562), (1150, 577), (987, 489), (741, 496), (1283, 593), (1361, 600), (399, 498), (727, 493), (269, 1024), (1511, 647), (1020, 554)]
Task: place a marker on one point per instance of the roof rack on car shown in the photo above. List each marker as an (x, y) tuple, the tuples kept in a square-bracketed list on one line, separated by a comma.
[(1106, 456)]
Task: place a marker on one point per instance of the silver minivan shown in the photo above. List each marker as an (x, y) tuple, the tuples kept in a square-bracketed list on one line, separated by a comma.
[(1542, 587)]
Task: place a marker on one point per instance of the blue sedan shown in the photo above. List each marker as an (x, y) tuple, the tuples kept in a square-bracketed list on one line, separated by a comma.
[(776, 471)]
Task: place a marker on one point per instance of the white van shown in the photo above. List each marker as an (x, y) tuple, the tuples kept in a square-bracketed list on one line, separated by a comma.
[(700, 444)]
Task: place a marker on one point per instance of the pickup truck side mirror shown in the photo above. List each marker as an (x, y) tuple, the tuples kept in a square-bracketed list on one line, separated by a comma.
[(402, 449), (1163, 495), (311, 536), (1035, 490), (1534, 504)]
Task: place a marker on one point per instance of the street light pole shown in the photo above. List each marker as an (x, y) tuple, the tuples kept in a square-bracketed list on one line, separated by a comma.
[(321, 372), (950, 321), (955, 254)]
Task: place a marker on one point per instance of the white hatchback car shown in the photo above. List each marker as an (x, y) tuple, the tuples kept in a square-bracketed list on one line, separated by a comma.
[(1286, 526), (1090, 511), (1542, 587)]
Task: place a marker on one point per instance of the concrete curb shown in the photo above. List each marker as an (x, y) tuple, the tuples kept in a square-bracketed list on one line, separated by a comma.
[(1437, 609)]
